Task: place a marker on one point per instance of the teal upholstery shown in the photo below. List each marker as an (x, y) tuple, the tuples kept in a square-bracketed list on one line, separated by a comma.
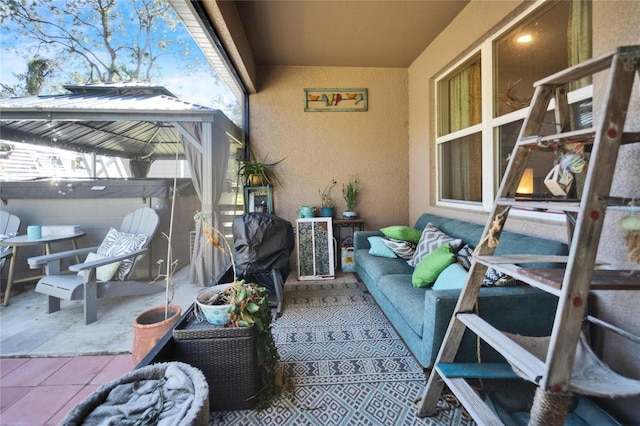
[(421, 315)]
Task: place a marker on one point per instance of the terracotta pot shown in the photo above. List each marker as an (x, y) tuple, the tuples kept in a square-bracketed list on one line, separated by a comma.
[(149, 327)]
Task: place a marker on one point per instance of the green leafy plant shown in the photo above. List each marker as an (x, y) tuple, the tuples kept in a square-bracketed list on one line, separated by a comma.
[(261, 171), (350, 192), (250, 307), (325, 195)]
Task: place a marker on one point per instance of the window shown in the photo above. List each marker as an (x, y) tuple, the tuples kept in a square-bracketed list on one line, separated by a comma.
[(480, 111), (460, 98)]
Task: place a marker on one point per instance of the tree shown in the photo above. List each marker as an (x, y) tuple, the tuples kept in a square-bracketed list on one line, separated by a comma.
[(88, 41)]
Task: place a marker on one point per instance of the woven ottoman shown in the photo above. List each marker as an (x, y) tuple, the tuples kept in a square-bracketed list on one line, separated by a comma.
[(227, 358)]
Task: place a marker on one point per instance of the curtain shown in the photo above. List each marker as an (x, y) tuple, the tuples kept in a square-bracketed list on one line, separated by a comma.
[(579, 37), (465, 109), (206, 147)]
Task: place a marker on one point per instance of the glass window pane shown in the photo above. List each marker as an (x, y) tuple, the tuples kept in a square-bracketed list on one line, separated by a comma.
[(460, 99), (549, 42), (461, 169), (540, 162)]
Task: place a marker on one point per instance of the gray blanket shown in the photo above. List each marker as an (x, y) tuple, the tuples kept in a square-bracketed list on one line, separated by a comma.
[(159, 394)]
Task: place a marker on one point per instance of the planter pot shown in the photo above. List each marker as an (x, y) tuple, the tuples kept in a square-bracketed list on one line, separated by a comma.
[(326, 211), (214, 314), (349, 215), (149, 327), (306, 212)]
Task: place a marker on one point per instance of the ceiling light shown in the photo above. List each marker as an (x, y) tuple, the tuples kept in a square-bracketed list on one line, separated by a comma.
[(526, 38)]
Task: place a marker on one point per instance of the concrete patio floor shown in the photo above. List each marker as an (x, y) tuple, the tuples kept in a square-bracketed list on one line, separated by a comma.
[(26, 330)]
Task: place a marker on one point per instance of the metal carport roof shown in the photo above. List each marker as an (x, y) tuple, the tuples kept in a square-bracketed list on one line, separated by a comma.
[(128, 120)]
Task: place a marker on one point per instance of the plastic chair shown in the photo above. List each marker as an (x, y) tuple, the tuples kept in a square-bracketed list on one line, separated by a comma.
[(85, 285)]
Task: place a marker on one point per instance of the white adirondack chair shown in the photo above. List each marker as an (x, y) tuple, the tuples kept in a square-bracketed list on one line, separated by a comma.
[(9, 226), (82, 283)]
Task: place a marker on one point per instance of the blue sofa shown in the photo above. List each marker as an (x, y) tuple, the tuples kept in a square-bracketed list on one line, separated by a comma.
[(421, 315)]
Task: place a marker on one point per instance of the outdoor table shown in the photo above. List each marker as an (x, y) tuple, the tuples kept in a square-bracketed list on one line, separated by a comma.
[(24, 241)]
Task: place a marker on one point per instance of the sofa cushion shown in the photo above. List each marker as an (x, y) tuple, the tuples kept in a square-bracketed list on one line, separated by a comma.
[(403, 249), (400, 232), (453, 277), (430, 239), (431, 265), (376, 267), (379, 248), (408, 300)]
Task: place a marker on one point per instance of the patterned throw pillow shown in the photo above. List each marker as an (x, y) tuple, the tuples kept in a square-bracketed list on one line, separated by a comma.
[(108, 241), (402, 249), (492, 278), (125, 244), (430, 240), (464, 256)]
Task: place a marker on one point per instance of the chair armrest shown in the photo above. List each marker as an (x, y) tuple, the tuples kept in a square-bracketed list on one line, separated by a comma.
[(38, 261), (106, 261)]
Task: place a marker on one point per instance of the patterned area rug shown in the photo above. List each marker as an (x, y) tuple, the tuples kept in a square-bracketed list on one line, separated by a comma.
[(344, 364)]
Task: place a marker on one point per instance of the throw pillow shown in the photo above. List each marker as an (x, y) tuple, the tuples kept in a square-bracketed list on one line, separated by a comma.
[(493, 278), (126, 244), (108, 241), (402, 249), (453, 277), (404, 233), (464, 256), (431, 239), (378, 248), (431, 265), (106, 272)]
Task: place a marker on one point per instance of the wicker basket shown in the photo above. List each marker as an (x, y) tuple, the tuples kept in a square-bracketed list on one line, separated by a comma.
[(226, 356)]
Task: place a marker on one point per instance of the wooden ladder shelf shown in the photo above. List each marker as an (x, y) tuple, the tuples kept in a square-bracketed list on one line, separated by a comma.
[(553, 371)]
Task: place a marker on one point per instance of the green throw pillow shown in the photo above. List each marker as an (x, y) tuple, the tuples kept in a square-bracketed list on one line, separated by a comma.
[(431, 265), (404, 233), (379, 248)]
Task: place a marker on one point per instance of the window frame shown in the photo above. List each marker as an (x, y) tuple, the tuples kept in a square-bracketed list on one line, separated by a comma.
[(489, 124)]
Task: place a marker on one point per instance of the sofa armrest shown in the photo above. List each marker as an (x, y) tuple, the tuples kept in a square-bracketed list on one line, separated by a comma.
[(360, 239)]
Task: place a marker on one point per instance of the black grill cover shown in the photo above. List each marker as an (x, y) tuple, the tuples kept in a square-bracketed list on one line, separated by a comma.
[(262, 242)]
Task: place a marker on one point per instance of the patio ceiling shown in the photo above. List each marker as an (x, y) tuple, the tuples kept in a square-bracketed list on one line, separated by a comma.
[(118, 119)]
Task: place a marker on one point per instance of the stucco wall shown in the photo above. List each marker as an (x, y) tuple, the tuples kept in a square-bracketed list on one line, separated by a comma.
[(319, 146), (615, 23)]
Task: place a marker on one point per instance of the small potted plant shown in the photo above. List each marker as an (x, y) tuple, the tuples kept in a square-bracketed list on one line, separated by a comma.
[(350, 193), (328, 204), (259, 173)]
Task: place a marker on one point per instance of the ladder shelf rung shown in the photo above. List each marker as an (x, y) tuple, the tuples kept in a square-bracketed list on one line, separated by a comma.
[(472, 402), (585, 136), (602, 279), (527, 364), (531, 203)]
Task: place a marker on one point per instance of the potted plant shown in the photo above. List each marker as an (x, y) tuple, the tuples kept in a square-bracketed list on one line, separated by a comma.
[(350, 193), (150, 325), (258, 173), (328, 204)]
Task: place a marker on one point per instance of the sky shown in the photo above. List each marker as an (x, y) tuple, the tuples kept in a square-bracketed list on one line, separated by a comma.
[(188, 87)]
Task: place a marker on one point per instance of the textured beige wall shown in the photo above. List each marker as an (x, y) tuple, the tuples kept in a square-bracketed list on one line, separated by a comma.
[(319, 146), (615, 23)]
